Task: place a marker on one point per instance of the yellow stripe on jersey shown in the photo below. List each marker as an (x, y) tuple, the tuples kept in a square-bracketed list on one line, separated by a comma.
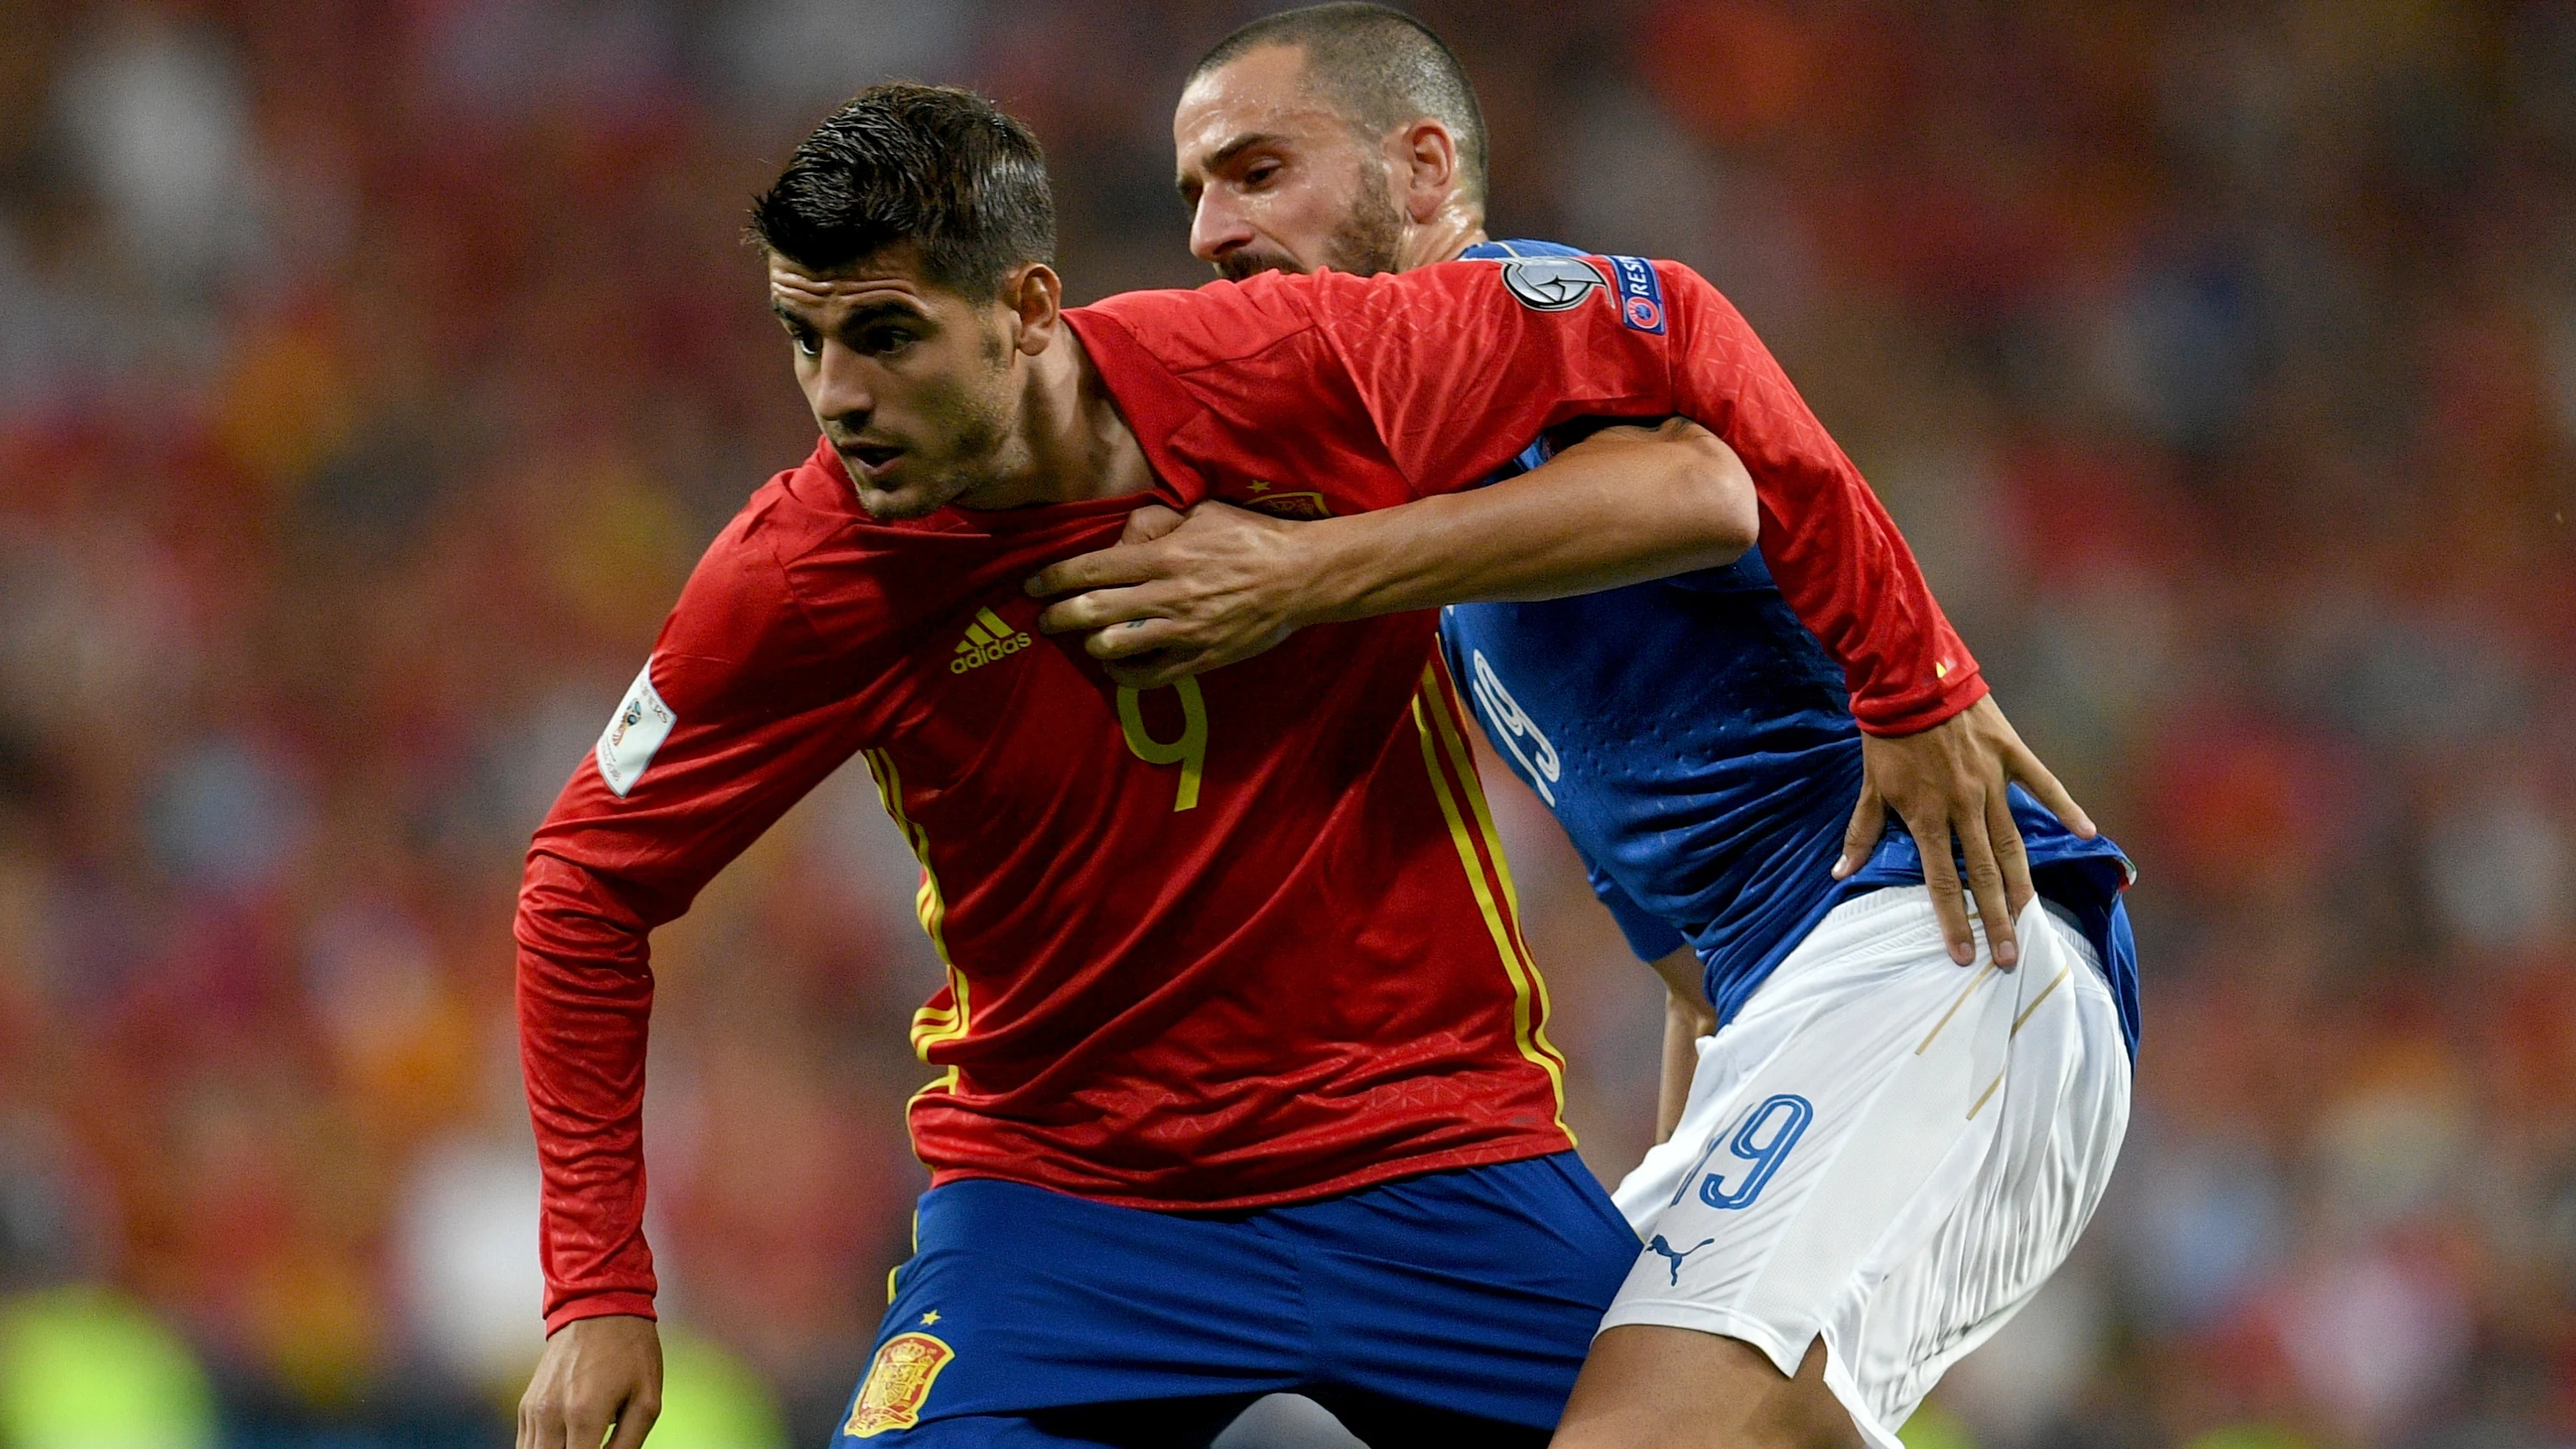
[(1439, 732), (930, 1025), (1447, 714)]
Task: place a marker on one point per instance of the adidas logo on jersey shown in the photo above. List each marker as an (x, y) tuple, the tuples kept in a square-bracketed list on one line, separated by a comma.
[(987, 639)]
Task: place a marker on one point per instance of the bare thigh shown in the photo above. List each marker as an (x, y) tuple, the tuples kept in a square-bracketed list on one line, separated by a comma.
[(1650, 1387)]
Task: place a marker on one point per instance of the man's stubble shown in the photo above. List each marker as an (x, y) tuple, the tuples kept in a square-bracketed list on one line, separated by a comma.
[(1368, 241)]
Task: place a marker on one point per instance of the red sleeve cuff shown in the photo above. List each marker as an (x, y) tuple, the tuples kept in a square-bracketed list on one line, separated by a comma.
[(1890, 718), (600, 1305)]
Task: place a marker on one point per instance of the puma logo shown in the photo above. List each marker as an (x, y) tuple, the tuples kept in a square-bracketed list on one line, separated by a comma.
[(1660, 1246)]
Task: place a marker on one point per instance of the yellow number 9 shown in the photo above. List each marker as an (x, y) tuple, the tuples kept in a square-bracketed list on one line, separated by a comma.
[(1189, 751)]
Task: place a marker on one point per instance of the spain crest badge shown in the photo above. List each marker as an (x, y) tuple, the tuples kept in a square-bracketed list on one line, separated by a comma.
[(897, 1384)]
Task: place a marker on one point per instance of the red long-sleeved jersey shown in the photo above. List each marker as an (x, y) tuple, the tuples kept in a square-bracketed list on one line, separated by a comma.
[(1245, 941)]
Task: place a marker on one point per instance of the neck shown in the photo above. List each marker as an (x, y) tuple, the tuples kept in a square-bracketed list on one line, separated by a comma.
[(1456, 226), (1072, 445)]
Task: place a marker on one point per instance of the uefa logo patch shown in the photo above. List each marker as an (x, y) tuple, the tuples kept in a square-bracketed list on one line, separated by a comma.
[(1641, 296)]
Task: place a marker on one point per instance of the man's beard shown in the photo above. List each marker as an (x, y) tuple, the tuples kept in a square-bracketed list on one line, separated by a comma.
[(1364, 244), (970, 461)]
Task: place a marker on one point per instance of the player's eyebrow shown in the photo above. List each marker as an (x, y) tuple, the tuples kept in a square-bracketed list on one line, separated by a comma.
[(892, 308), (1223, 155)]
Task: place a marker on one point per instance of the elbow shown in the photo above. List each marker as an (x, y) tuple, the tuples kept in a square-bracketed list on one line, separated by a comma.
[(1726, 514), (1738, 525)]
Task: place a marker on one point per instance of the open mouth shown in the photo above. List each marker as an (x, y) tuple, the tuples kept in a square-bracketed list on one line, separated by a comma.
[(872, 460)]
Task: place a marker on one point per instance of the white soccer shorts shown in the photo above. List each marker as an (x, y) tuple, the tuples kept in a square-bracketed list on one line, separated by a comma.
[(1886, 1149)]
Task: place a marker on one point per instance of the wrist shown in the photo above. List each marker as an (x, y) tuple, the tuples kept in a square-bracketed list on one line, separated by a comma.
[(1325, 566), (613, 1304)]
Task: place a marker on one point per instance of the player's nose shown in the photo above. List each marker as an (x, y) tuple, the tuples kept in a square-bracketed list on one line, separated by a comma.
[(842, 392), (1217, 228)]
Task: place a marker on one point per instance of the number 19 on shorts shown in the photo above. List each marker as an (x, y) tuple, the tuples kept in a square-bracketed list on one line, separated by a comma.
[(1761, 1139)]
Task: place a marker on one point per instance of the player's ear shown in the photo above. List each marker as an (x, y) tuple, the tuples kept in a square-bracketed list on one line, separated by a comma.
[(1427, 156), (1035, 296)]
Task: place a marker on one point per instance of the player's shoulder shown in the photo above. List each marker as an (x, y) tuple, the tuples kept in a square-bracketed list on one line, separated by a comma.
[(740, 603), (1226, 321), (1212, 325), (1647, 292), (775, 524), (1505, 250)]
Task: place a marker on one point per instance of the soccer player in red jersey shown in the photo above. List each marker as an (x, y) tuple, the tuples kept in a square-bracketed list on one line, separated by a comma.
[(1245, 1082)]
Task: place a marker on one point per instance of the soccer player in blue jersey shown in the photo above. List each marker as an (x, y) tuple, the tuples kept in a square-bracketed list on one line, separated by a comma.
[(1884, 1126)]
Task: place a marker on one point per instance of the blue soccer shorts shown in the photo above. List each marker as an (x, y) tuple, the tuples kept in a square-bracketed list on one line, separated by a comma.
[(1455, 1303)]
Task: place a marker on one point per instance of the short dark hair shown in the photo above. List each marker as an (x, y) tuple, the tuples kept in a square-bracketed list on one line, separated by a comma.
[(1379, 67), (942, 168)]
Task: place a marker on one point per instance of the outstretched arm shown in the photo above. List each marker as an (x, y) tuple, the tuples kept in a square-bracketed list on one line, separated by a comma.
[(728, 725), (1180, 596)]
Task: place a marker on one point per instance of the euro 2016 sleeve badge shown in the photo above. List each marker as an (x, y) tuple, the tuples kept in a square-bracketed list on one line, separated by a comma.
[(897, 1383)]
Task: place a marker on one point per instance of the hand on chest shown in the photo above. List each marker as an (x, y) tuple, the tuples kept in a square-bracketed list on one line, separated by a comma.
[(1017, 731)]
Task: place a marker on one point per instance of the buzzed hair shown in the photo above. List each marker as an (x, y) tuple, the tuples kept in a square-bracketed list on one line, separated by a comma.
[(1378, 67)]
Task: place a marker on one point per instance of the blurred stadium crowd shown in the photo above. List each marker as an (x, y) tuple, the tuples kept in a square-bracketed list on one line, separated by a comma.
[(372, 373)]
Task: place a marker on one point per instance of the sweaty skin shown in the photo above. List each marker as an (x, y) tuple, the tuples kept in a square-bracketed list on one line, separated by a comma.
[(1274, 178)]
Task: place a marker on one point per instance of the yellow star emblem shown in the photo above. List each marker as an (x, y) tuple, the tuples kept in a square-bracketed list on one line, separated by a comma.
[(930, 1318), (1260, 487)]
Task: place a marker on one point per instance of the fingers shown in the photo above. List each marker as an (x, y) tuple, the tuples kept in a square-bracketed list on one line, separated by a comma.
[(1129, 639), (1098, 609), (1128, 562), (1860, 838), (2043, 786), (1941, 878), (541, 1413), (1108, 566), (634, 1420), (1149, 523), (1986, 882), (584, 1429), (540, 1426), (2010, 854), (548, 1420)]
